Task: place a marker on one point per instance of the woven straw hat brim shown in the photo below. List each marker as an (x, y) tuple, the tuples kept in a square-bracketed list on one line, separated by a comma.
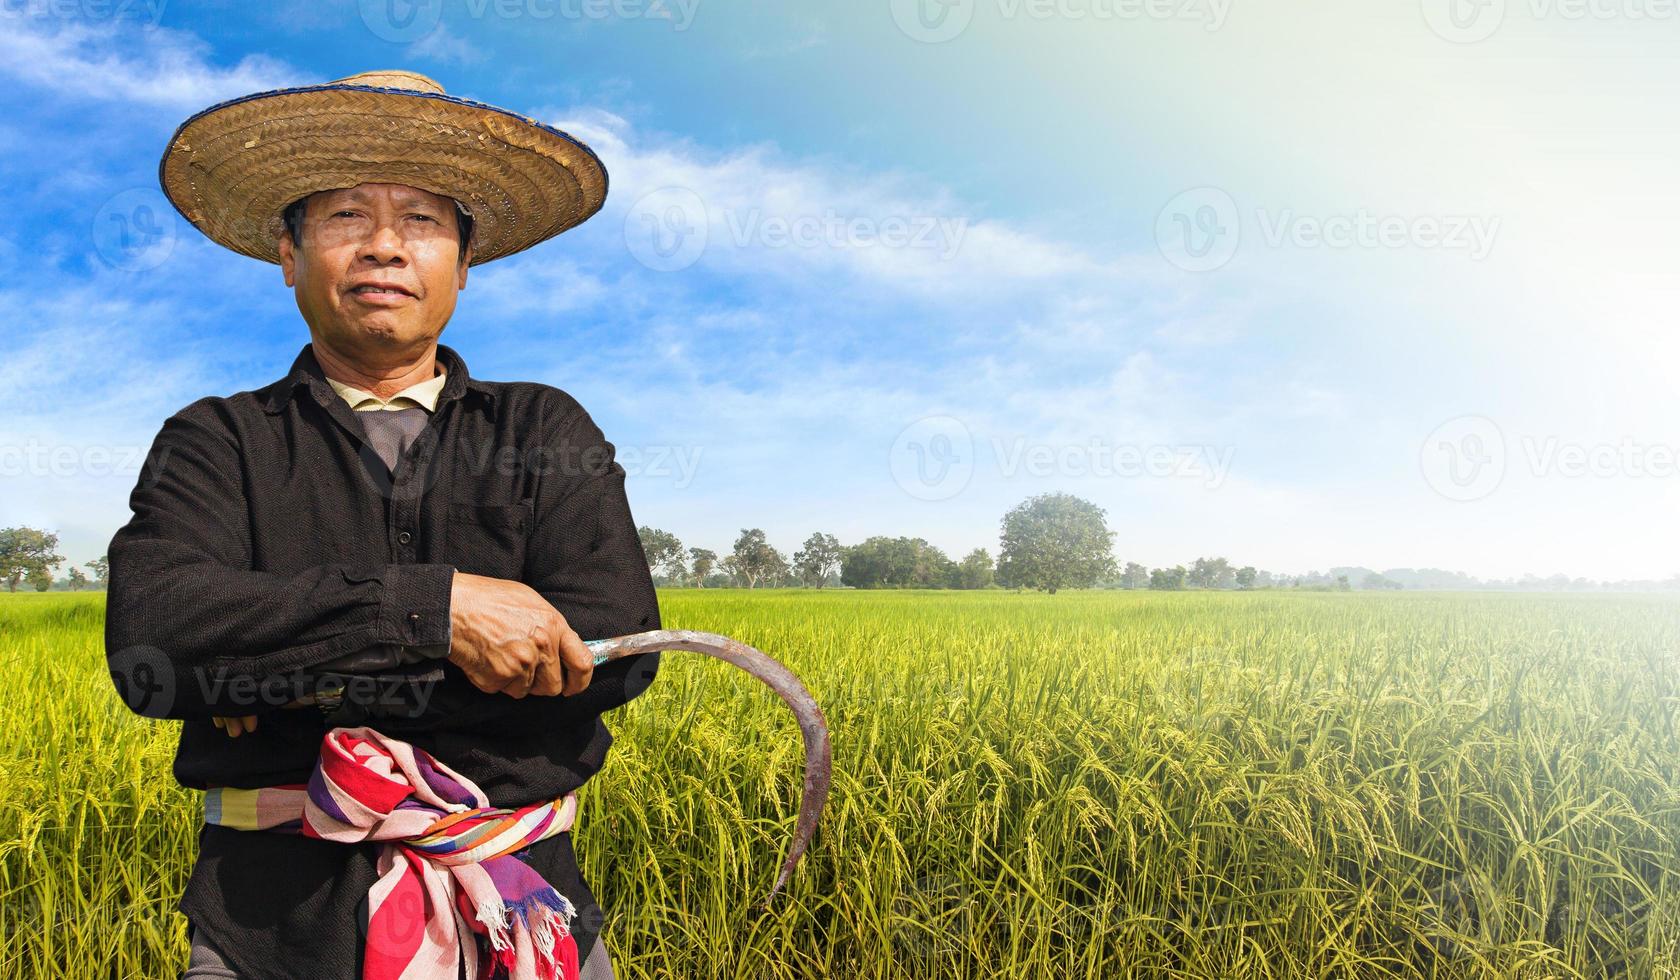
[(233, 168)]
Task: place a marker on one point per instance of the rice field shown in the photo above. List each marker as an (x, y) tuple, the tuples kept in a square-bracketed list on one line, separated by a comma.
[(1090, 784)]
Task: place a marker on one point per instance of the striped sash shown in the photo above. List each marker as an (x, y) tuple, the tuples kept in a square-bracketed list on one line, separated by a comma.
[(447, 874)]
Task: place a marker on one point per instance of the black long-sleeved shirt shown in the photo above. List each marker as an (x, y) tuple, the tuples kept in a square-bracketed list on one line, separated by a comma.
[(268, 538)]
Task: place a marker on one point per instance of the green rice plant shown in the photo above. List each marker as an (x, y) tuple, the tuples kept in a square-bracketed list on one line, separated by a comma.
[(1259, 785)]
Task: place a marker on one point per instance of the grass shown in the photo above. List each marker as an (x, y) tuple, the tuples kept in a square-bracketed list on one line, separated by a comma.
[(1099, 785)]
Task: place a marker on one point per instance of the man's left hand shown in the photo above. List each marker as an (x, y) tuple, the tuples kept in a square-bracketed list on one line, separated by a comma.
[(236, 726)]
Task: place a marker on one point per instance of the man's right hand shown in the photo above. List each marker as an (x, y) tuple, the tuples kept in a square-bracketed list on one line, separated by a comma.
[(509, 640)]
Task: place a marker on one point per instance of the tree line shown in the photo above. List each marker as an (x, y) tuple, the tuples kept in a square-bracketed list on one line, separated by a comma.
[(30, 556), (1049, 542)]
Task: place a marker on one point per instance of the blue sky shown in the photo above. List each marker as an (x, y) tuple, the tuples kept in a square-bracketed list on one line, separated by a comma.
[(1386, 284)]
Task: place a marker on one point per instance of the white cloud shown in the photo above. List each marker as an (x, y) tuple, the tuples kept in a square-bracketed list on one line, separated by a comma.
[(444, 46), (1017, 334), (768, 215), (814, 35), (523, 285), (154, 67)]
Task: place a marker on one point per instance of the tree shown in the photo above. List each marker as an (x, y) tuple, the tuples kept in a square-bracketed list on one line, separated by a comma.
[(101, 569), (1376, 581), (1247, 576), (975, 570), (818, 559), (896, 563), (1134, 577), (664, 553), (780, 572), (704, 560), (27, 552), (933, 569), (753, 558), (1055, 540), (1168, 579), (77, 578), (775, 572), (1212, 573), (40, 578)]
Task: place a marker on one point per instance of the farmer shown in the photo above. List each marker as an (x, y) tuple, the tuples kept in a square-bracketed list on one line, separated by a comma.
[(380, 546)]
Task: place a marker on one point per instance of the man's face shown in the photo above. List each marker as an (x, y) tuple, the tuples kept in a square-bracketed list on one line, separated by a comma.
[(377, 266)]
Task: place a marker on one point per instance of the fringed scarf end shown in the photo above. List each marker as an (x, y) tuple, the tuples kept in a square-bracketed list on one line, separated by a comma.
[(545, 916), (493, 916)]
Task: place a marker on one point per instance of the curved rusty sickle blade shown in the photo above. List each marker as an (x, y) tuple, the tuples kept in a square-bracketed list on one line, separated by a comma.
[(818, 763)]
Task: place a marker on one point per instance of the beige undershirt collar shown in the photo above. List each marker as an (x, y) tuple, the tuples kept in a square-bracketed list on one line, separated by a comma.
[(423, 394)]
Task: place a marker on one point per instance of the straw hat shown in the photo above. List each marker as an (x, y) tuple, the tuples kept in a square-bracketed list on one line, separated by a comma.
[(233, 168)]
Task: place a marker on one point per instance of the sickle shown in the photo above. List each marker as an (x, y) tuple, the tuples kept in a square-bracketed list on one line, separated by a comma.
[(812, 726)]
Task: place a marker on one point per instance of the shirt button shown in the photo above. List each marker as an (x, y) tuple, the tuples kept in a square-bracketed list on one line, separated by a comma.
[(414, 617), (405, 537)]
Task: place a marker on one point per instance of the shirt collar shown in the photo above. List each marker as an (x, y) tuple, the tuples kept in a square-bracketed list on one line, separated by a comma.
[(423, 393), (306, 374)]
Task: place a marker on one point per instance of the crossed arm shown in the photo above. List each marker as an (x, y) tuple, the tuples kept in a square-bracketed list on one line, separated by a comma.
[(184, 600), (505, 637)]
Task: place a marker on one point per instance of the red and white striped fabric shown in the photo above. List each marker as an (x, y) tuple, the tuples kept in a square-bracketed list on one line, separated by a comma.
[(447, 875)]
